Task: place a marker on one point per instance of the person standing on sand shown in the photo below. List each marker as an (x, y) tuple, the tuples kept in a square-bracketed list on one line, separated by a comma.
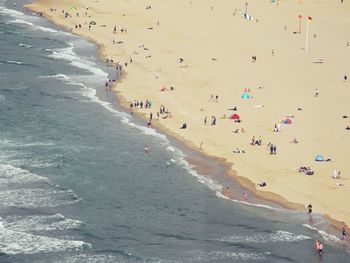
[(317, 92), (201, 146), (205, 120), (309, 207)]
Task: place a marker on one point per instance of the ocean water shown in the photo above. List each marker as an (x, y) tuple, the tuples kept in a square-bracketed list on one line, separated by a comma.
[(76, 186)]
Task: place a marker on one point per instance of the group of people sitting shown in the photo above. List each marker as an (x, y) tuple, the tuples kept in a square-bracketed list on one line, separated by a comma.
[(306, 170), (165, 89), (336, 174), (261, 183), (256, 141), (164, 112), (294, 141), (239, 130), (239, 151)]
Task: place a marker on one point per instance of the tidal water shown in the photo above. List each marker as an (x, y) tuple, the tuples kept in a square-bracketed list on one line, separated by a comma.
[(76, 186)]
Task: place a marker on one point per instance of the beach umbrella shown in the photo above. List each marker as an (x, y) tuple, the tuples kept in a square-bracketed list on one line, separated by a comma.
[(309, 18), (319, 158), (300, 17), (73, 8), (245, 96), (234, 117), (287, 121), (92, 23)]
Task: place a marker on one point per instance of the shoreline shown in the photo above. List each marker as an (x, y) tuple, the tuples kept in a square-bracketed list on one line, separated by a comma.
[(228, 166)]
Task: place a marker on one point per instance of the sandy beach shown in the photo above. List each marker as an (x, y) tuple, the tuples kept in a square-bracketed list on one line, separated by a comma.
[(205, 61)]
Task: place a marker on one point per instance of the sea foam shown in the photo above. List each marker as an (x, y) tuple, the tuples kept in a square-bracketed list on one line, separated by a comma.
[(36, 223), (219, 256), (14, 242), (68, 54), (21, 18), (24, 45), (14, 62), (13, 175), (279, 236), (327, 237)]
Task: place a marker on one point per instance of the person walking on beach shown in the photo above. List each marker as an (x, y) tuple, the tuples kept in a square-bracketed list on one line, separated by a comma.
[(201, 146), (205, 120), (317, 92), (343, 234), (309, 207)]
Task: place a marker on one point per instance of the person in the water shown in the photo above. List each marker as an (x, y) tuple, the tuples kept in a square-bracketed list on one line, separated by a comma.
[(319, 247)]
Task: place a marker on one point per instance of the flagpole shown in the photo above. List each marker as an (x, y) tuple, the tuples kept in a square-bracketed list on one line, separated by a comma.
[(307, 36)]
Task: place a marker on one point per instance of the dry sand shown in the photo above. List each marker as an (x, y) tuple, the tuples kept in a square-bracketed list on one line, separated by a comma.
[(216, 44)]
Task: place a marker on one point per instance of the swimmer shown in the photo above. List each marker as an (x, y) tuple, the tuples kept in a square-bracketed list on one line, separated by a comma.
[(245, 196), (226, 192), (319, 247), (146, 150)]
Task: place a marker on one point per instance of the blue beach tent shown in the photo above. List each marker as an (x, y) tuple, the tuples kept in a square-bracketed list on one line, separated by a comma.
[(287, 121), (245, 96), (319, 158)]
